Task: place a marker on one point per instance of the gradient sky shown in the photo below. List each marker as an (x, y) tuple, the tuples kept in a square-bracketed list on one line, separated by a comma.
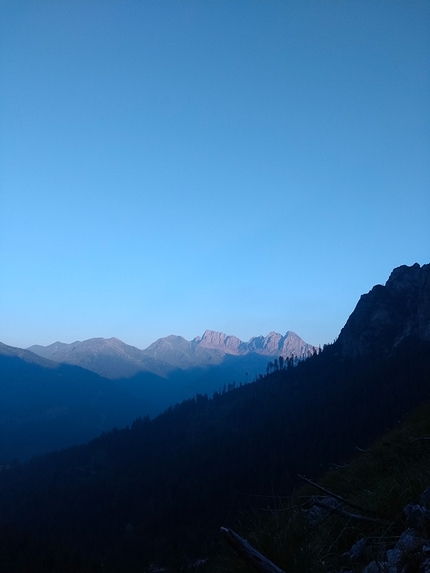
[(171, 166)]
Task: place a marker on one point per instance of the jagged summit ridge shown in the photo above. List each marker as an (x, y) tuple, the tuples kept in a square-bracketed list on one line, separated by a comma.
[(113, 358), (219, 340), (389, 313), (274, 344)]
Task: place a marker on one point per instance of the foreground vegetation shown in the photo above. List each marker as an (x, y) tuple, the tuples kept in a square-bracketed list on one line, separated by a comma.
[(159, 491), (380, 482)]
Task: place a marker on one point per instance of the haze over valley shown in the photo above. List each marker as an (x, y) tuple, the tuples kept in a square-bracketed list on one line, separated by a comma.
[(74, 404), (159, 489)]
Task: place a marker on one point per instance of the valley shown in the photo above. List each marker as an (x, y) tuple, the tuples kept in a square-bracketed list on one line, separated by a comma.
[(158, 491), (65, 394)]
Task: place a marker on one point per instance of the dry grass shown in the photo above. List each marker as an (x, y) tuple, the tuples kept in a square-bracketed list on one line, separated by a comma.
[(382, 480)]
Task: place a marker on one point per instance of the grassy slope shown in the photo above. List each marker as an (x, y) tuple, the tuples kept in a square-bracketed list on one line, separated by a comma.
[(382, 480)]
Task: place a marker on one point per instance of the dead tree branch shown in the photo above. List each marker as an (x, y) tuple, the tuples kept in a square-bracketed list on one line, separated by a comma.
[(348, 515), (247, 552), (420, 439), (331, 494)]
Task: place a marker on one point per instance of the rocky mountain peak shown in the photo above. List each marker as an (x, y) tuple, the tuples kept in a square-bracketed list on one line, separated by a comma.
[(388, 314), (213, 337), (219, 340), (272, 342), (406, 279), (113, 358)]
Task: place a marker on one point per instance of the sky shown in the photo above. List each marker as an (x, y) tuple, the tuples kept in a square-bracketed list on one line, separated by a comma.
[(172, 166)]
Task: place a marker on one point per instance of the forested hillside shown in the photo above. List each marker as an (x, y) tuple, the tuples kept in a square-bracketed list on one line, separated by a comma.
[(159, 490), (367, 515)]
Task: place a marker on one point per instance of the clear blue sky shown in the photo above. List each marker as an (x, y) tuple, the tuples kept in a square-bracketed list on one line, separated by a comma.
[(171, 166)]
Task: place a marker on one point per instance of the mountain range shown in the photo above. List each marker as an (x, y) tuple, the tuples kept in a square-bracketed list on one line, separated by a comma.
[(112, 358), (45, 405), (65, 394), (157, 491)]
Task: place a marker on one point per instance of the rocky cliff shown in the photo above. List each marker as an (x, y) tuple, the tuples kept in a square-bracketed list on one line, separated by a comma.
[(389, 314), (274, 344)]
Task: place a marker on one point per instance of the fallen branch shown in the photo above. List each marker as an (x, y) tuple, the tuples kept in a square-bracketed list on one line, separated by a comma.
[(247, 552), (348, 515), (331, 494), (420, 439)]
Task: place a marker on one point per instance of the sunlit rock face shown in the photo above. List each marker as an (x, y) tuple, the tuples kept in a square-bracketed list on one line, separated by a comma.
[(274, 344), (219, 340), (114, 359), (389, 314)]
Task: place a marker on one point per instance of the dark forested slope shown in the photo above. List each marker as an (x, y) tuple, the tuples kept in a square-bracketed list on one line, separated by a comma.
[(45, 405), (160, 489)]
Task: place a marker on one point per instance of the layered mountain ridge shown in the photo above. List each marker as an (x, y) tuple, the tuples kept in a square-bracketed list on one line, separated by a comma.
[(274, 344), (45, 405), (109, 357), (113, 358), (68, 393), (171, 482)]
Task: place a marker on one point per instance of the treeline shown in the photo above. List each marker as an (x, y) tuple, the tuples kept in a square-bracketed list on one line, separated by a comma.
[(285, 363), (159, 490)]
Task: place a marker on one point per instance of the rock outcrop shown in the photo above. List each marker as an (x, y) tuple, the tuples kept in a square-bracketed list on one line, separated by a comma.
[(412, 550), (274, 344), (219, 340), (389, 314)]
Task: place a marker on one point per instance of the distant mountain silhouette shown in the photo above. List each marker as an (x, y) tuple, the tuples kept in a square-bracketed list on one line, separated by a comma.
[(27, 356), (113, 358), (55, 394), (274, 344), (45, 405), (159, 490), (110, 357)]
